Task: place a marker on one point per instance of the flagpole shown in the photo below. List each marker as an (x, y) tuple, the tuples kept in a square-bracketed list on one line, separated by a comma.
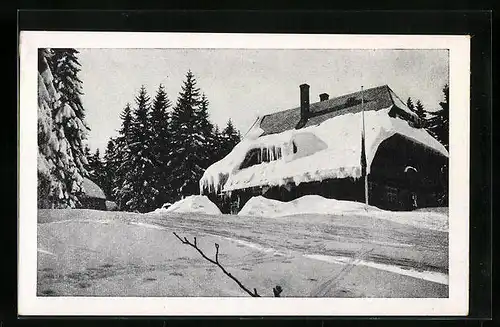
[(363, 143)]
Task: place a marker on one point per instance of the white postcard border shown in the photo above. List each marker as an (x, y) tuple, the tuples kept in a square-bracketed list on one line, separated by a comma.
[(456, 304)]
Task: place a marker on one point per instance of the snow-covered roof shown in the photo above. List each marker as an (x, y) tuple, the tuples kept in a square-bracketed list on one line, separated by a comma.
[(328, 147), (374, 99), (91, 190)]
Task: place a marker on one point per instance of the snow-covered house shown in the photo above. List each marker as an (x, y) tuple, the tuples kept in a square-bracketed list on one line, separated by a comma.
[(317, 149)]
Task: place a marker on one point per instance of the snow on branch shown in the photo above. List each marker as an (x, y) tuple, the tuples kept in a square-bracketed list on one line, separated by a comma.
[(276, 290)]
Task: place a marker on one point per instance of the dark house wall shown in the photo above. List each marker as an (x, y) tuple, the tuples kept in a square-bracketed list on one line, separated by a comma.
[(406, 175), (93, 203), (341, 189)]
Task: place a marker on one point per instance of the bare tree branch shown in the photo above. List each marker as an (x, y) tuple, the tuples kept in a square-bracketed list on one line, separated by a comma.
[(216, 252), (216, 262), (277, 291)]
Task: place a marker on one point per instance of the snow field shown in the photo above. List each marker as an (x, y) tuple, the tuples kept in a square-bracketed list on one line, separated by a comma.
[(99, 253)]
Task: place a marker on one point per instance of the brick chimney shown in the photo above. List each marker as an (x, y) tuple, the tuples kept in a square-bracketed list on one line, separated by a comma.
[(304, 101), (323, 97)]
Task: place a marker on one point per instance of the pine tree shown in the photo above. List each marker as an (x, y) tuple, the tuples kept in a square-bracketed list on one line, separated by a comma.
[(48, 183), (95, 167), (205, 129), (110, 167), (70, 112), (216, 145), (230, 137), (125, 130), (187, 161), (61, 132), (90, 164), (438, 124), (138, 191), (161, 145), (120, 165), (420, 111), (409, 104), (159, 113)]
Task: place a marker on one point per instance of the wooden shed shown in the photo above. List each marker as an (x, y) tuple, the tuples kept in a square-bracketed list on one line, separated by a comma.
[(93, 196)]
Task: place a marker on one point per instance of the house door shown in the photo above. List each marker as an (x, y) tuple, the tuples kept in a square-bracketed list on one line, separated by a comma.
[(412, 179), (235, 205)]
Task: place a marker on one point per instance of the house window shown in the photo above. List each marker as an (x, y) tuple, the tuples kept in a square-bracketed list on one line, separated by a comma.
[(294, 147), (260, 155), (253, 157), (392, 194)]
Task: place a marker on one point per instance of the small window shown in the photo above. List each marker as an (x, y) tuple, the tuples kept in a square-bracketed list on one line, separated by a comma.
[(252, 158), (259, 155), (392, 194), (294, 147)]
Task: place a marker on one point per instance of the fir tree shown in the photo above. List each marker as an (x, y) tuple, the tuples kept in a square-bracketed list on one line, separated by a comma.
[(230, 137), (420, 111), (110, 167), (95, 167), (438, 124), (120, 165), (216, 145), (61, 157), (90, 164), (138, 191), (126, 117), (409, 104), (205, 128), (159, 113), (70, 112), (187, 161), (161, 145), (48, 183)]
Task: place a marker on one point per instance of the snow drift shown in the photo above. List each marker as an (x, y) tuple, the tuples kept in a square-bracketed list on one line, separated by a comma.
[(315, 204), (193, 203), (308, 204), (336, 152)]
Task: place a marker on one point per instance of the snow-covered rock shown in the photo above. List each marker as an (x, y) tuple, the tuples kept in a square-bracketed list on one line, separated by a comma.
[(315, 204), (193, 203)]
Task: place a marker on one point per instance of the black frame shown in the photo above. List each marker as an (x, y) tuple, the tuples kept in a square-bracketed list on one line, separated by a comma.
[(478, 24)]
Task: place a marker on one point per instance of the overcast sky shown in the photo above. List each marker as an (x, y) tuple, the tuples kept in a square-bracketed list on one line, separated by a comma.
[(242, 84)]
